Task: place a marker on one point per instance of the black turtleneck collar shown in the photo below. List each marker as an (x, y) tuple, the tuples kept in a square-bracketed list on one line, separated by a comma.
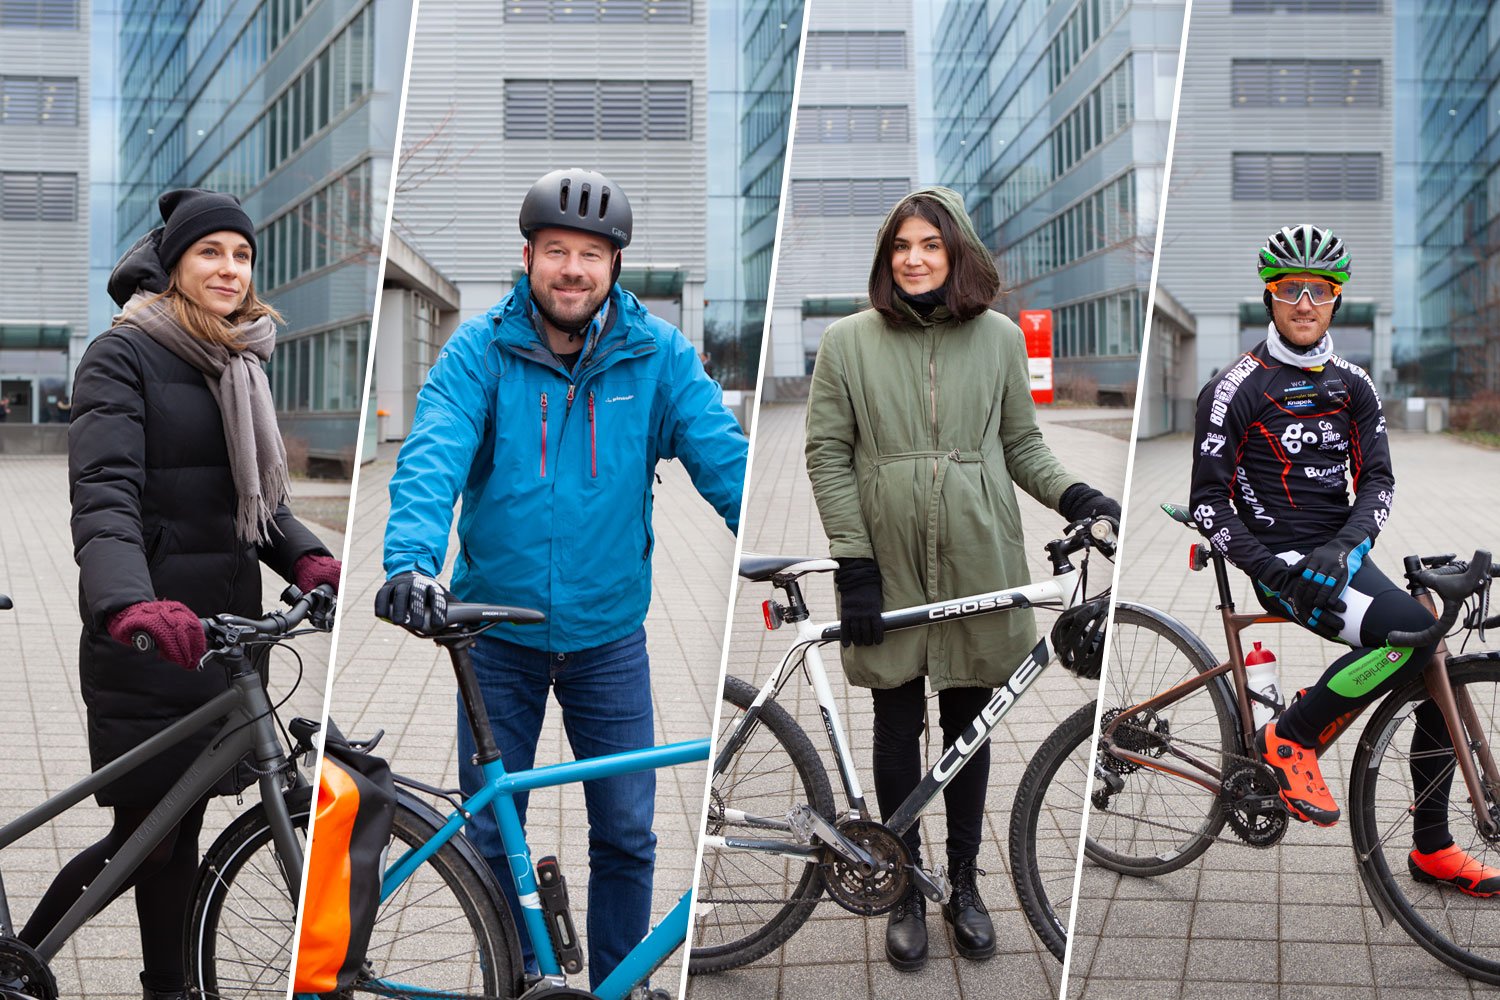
[(925, 303)]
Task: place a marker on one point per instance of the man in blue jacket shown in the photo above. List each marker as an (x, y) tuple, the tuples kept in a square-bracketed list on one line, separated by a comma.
[(547, 415)]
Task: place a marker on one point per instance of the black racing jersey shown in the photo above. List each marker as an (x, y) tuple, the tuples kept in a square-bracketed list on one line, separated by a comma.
[(1276, 447)]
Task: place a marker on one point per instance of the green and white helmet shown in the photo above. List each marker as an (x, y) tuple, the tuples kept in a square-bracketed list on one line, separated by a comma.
[(1303, 249)]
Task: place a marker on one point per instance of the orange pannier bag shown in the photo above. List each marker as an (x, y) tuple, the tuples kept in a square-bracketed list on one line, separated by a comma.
[(355, 810)]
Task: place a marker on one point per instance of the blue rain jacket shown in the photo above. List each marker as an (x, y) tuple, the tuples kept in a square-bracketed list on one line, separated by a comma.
[(556, 470)]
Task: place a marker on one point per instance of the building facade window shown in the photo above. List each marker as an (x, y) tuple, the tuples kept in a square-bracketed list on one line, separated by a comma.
[(599, 11), (50, 101), (1305, 7), (38, 197), (855, 50), (1107, 109), (52, 15), (848, 196), (1306, 176), (852, 123), (1109, 325), (1099, 221), (320, 372), (327, 226), (1305, 83), (1089, 20), (599, 110)]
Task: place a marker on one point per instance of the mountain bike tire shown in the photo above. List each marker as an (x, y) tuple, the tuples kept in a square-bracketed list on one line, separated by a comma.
[(1459, 930), (1159, 823), (748, 904), (1045, 821)]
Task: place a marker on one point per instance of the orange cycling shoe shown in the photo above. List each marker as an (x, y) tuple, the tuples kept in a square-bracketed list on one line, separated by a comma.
[(1454, 866), (1302, 788)]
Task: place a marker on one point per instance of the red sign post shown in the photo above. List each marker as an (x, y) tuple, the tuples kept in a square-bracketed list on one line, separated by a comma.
[(1037, 325)]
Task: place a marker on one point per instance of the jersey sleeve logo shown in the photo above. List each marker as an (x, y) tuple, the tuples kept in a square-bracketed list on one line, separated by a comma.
[(1212, 444)]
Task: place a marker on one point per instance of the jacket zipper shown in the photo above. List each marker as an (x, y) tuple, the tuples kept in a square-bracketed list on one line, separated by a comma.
[(932, 397), (544, 435), (593, 455)]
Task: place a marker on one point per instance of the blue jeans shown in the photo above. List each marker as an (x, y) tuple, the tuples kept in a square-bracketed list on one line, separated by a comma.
[(605, 694)]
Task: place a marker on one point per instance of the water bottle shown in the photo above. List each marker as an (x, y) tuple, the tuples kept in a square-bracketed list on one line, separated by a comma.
[(1260, 674)]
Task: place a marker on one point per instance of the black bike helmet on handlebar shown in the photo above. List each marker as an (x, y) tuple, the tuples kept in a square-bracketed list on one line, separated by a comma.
[(1078, 638), (579, 199)]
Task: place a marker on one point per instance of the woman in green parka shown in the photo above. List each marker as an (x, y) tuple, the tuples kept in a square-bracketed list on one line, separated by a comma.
[(920, 425)]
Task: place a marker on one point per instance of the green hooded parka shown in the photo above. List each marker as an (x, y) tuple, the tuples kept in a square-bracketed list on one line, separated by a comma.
[(916, 438)]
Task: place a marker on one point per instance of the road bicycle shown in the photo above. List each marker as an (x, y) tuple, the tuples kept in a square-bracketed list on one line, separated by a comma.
[(239, 933), (1174, 760), (774, 841), (444, 929)]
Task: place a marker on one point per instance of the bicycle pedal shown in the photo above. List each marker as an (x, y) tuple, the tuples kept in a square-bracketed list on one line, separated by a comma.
[(552, 889), (934, 884)]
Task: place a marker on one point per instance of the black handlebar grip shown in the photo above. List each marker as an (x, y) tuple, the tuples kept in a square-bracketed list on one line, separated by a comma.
[(143, 642)]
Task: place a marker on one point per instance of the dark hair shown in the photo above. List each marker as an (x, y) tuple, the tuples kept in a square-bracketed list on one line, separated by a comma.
[(973, 283)]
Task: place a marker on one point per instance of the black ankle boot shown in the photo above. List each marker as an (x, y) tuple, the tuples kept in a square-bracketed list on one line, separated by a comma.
[(906, 933), (973, 934), (186, 994)]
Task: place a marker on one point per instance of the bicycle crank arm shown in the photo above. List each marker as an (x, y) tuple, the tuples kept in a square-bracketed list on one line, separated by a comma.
[(933, 886), (807, 824), (781, 848)]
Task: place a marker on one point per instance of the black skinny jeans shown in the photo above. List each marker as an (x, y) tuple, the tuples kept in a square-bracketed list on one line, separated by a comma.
[(900, 716), (163, 886)]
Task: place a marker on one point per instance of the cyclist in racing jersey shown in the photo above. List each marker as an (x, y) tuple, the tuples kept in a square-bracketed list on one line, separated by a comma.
[(1281, 436)]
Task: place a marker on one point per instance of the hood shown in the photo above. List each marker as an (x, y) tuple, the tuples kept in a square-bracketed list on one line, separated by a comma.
[(953, 203), (139, 269)]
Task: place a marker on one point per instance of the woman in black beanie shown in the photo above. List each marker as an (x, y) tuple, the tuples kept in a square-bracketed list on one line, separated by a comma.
[(179, 488)]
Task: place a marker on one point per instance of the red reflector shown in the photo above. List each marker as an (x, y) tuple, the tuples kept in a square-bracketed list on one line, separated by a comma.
[(1193, 557), (771, 621)]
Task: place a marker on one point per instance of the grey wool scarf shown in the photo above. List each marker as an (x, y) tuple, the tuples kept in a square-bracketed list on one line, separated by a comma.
[(257, 456)]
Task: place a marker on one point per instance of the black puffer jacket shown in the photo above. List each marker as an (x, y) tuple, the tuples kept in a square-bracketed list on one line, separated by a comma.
[(153, 519)]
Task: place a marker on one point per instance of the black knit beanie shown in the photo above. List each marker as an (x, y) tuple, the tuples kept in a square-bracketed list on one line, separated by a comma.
[(191, 214)]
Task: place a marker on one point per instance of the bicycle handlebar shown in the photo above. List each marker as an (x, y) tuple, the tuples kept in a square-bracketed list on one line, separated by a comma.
[(226, 631), (1453, 583)]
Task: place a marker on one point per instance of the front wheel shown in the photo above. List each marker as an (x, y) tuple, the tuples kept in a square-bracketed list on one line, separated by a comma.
[(1045, 821), (1405, 765)]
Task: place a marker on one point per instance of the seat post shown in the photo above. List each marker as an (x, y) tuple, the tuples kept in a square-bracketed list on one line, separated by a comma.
[(473, 700)]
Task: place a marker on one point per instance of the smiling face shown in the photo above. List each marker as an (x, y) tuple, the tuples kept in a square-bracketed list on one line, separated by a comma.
[(919, 260), (214, 273), (570, 273), (1302, 323)]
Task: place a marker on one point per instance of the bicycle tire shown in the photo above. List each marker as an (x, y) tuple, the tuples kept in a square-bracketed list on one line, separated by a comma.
[(447, 928), (1159, 823), (1457, 929), (1044, 835), (749, 904)]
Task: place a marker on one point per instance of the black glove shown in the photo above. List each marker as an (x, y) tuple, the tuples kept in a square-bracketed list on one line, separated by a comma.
[(858, 582), (1320, 578), (1277, 580), (1081, 500), (416, 602)]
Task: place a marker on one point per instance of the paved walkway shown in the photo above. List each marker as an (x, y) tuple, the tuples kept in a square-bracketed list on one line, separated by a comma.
[(1292, 921), (44, 742), (837, 954), (391, 680)]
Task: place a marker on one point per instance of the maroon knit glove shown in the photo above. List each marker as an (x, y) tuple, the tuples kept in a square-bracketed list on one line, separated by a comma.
[(171, 624), (312, 569)]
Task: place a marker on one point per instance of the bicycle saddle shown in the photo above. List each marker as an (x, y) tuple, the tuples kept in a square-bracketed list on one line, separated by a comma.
[(759, 568), (1179, 513)]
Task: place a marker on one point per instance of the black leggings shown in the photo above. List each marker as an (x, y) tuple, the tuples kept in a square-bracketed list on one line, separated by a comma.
[(163, 886), (900, 716), (1376, 607)]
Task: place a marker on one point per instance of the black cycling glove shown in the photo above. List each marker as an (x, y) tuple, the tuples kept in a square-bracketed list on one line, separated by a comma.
[(860, 601), (1277, 580), (416, 602), (1081, 500), (1321, 577)]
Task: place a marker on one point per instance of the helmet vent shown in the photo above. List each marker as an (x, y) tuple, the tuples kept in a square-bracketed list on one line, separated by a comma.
[(583, 202), (562, 195), (603, 201)]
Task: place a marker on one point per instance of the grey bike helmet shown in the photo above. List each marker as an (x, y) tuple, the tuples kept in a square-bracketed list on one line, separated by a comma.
[(579, 199), (1078, 638), (1304, 248)]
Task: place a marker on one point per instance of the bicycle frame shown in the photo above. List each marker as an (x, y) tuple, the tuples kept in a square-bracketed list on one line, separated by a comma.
[(1063, 589), (498, 795), (247, 729)]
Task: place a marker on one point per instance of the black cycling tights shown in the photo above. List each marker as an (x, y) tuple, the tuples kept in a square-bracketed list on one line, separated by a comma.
[(163, 887), (1377, 607), (900, 715)]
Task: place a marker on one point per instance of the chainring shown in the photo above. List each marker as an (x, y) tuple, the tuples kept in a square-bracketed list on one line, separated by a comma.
[(24, 973), (1262, 827), (880, 890), (715, 819)]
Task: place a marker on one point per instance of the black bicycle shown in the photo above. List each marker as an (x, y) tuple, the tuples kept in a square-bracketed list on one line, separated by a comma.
[(238, 937)]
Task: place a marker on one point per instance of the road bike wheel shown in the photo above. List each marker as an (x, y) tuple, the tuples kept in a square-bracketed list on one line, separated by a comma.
[(1157, 823), (1045, 822), (1460, 930), (446, 929), (749, 903)]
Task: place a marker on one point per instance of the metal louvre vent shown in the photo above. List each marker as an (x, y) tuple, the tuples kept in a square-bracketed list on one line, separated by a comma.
[(55, 15), (848, 196), (38, 100), (1305, 7), (38, 197), (855, 50), (598, 109), (1306, 176), (845, 123), (1274, 83), (598, 11)]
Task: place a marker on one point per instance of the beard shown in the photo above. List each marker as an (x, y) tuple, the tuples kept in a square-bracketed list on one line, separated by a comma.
[(573, 317)]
